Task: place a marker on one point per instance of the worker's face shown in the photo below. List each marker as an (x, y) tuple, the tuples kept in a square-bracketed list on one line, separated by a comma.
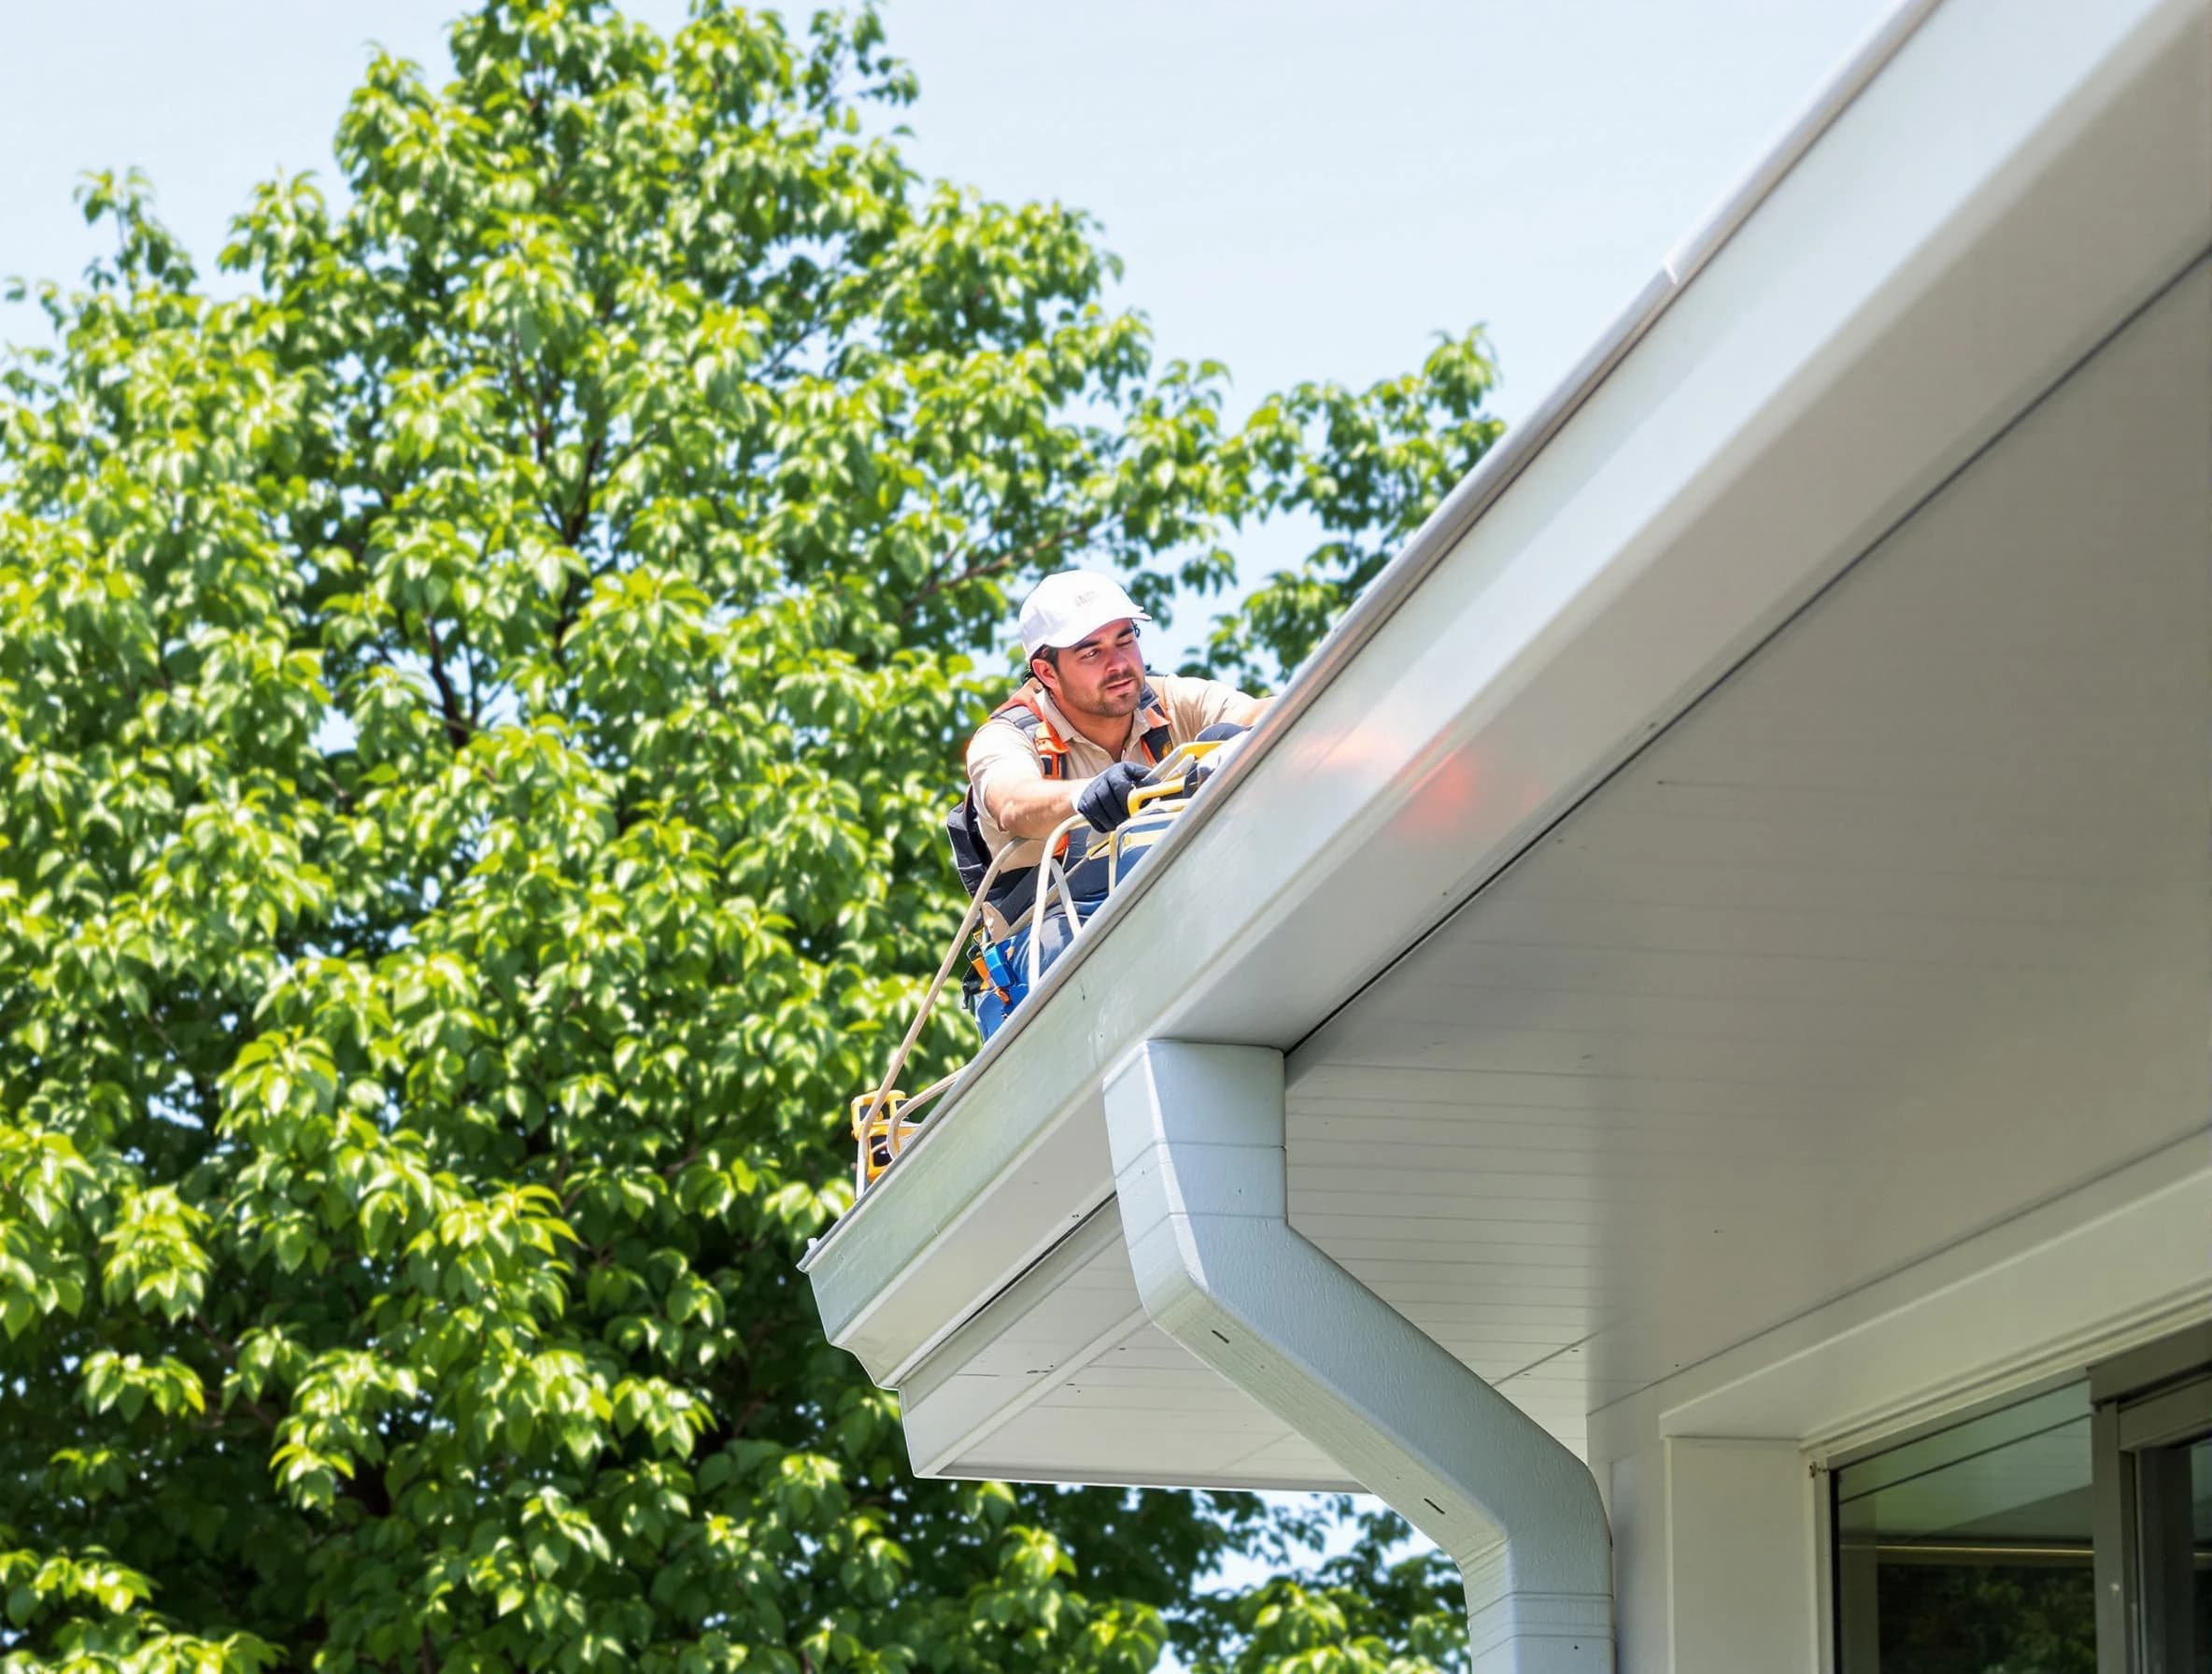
[(1104, 675)]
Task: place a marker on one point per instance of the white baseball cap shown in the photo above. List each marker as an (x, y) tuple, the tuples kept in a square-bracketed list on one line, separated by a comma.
[(1070, 607)]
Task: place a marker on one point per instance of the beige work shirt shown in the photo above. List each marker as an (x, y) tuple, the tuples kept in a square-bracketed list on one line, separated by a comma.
[(1001, 747)]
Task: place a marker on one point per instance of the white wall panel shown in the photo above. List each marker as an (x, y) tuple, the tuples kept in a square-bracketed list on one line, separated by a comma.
[(1740, 1529)]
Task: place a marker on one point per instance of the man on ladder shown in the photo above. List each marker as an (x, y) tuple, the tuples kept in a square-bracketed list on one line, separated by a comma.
[(1076, 738)]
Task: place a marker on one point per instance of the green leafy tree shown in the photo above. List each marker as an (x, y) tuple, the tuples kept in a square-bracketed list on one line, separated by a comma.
[(1367, 468), (1991, 1618), (1375, 1607), (474, 712)]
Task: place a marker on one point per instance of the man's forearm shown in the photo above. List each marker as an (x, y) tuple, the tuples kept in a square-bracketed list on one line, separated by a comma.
[(1035, 808)]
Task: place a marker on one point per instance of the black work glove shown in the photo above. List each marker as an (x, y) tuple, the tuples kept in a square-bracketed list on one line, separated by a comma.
[(1105, 800)]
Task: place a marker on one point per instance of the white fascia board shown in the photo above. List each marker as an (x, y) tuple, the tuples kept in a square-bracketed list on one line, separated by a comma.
[(982, 1468), (2019, 176)]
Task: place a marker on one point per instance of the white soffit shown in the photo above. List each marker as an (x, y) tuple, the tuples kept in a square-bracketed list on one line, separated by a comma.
[(2019, 180), (1904, 930), (1064, 1379)]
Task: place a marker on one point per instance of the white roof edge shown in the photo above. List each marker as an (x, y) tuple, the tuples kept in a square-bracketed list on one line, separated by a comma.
[(967, 1175)]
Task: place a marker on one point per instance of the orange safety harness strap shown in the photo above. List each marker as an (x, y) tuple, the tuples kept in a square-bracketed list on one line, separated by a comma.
[(1015, 888)]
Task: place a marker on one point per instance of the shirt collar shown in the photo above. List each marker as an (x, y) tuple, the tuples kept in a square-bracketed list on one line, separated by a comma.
[(1148, 716)]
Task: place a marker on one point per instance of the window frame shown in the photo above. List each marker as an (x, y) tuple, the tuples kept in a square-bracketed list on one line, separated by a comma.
[(2144, 1404)]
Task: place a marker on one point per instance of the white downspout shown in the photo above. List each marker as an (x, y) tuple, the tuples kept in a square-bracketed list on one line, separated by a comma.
[(1198, 1134)]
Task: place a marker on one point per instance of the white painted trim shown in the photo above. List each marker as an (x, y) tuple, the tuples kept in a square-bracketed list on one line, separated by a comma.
[(2117, 1261), (1198, 1135), (2010, 1311), (1740, 1547), (1823, 1573)]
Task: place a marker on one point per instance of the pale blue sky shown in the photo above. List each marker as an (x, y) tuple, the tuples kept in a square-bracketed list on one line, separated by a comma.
[(1305, 189)]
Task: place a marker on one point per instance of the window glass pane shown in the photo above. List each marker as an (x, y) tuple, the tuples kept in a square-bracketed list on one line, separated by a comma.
[(1968, 1552), (1977, 1435)]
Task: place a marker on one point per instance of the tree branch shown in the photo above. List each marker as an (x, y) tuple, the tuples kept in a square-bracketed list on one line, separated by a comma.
[(542, 427), (457, 724), (571, 527), (996, 566)]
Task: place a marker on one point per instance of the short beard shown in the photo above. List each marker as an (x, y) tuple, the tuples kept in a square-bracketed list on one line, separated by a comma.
[(1107, 705)]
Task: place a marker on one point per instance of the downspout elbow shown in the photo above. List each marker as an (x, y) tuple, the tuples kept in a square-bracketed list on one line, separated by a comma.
[(1196, 1133)]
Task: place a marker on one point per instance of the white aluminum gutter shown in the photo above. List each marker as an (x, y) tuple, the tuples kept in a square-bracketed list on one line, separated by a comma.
[(1197, 1139)]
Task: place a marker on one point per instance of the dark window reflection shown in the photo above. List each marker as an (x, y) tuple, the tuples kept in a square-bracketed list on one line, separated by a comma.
[(1968, 1552)]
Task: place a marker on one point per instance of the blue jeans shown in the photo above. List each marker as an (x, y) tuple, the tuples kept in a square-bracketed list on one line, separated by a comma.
[(991, 1011)]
